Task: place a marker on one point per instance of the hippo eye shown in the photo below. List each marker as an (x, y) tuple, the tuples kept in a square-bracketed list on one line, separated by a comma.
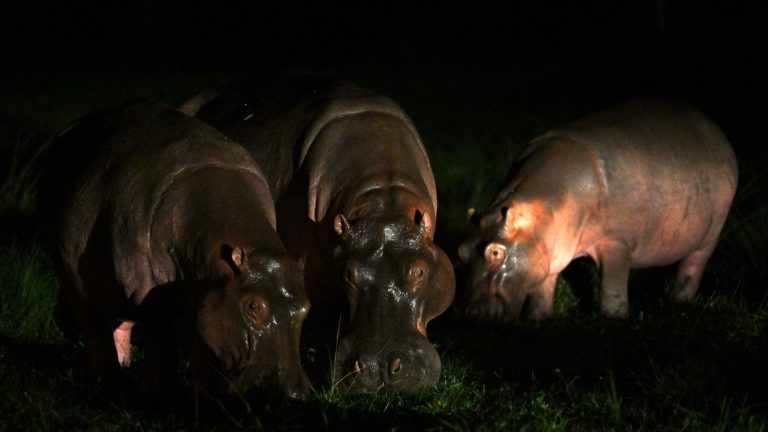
[(348, 275), (495, 253), (255, 309), (350, 279), (416, 275)]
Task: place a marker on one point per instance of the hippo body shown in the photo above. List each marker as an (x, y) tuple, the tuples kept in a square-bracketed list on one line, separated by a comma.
[(356, 198), (647, 183), (161, 216)]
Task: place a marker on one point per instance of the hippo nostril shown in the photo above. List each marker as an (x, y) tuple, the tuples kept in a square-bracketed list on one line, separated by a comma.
[(395, 366)]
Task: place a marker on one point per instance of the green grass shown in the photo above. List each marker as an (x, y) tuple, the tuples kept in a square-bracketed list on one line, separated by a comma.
[(18, 176), (744, 241), (28, 292), (694, 367)]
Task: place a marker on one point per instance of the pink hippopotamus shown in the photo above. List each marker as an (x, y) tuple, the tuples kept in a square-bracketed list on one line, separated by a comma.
[(647, 183)]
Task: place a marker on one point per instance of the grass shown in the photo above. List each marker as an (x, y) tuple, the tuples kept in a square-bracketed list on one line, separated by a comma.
[(28, 291), (694, 367), (18, 184)]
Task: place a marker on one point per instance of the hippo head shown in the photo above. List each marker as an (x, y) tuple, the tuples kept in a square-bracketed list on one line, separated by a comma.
[(508, 262), (251, 320), (396, 281)]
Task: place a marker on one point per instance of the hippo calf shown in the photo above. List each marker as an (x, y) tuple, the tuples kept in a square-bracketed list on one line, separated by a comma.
[(356, 197), (645, 184), (161, 216)]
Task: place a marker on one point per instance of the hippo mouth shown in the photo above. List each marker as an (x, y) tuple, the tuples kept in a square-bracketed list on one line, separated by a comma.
[(495, 306), (244, 378), (255, 379)]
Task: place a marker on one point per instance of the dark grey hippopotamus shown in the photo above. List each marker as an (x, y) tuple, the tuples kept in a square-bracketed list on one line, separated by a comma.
[(355, 195), (152, 204), (645, 184)]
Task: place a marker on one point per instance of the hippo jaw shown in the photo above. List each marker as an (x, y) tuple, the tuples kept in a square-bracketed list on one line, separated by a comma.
[(252, 324), (495, 293), (396, 281), (505, 271), (273, 366)]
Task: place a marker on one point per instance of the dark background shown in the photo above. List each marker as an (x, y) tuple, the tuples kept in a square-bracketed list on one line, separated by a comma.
[(479, 78), (534, 53)]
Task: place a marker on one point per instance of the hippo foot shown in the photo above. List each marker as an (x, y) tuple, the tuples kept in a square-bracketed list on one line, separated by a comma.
[(684, 290), (619, 310)]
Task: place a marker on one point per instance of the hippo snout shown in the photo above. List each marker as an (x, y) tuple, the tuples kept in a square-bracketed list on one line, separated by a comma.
[(409, 367), (290, 383), (493, 309), (374, 369), (297, 387)]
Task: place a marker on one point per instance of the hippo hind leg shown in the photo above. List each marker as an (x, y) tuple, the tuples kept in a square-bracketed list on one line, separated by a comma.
[(689, 274), (691, 267)]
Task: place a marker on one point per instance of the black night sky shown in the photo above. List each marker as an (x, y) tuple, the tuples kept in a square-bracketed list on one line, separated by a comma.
[(485, 74), (711, 53), (462, 60)]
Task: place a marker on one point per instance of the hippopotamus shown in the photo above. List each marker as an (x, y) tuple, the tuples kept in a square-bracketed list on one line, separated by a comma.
[(152, 204), (356, 200), (645, 184)]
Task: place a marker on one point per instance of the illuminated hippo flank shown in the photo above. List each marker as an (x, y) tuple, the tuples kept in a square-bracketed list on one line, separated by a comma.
[(645, 184)]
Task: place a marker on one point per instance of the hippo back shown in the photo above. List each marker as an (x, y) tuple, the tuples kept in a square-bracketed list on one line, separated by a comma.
[(655, 149), (279, 121), (630, 140), (356, 198), (163, 145)]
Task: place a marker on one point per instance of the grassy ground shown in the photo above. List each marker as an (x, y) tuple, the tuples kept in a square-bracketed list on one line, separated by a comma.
[(698, 367)]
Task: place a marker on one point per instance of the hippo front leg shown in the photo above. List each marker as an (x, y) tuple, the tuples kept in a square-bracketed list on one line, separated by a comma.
[(540, 301), (614, 276), (122, 338), (101, 364)]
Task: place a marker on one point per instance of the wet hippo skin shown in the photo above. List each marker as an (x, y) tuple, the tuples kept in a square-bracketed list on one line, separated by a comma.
[(356, 199), (159, 217)]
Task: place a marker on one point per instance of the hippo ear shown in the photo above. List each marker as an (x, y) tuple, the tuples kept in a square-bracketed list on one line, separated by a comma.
[(302, 262), (474, 216), (424, 222), (510, 224), (341, 225), (235, 257), (465, 250), (521, 217)]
